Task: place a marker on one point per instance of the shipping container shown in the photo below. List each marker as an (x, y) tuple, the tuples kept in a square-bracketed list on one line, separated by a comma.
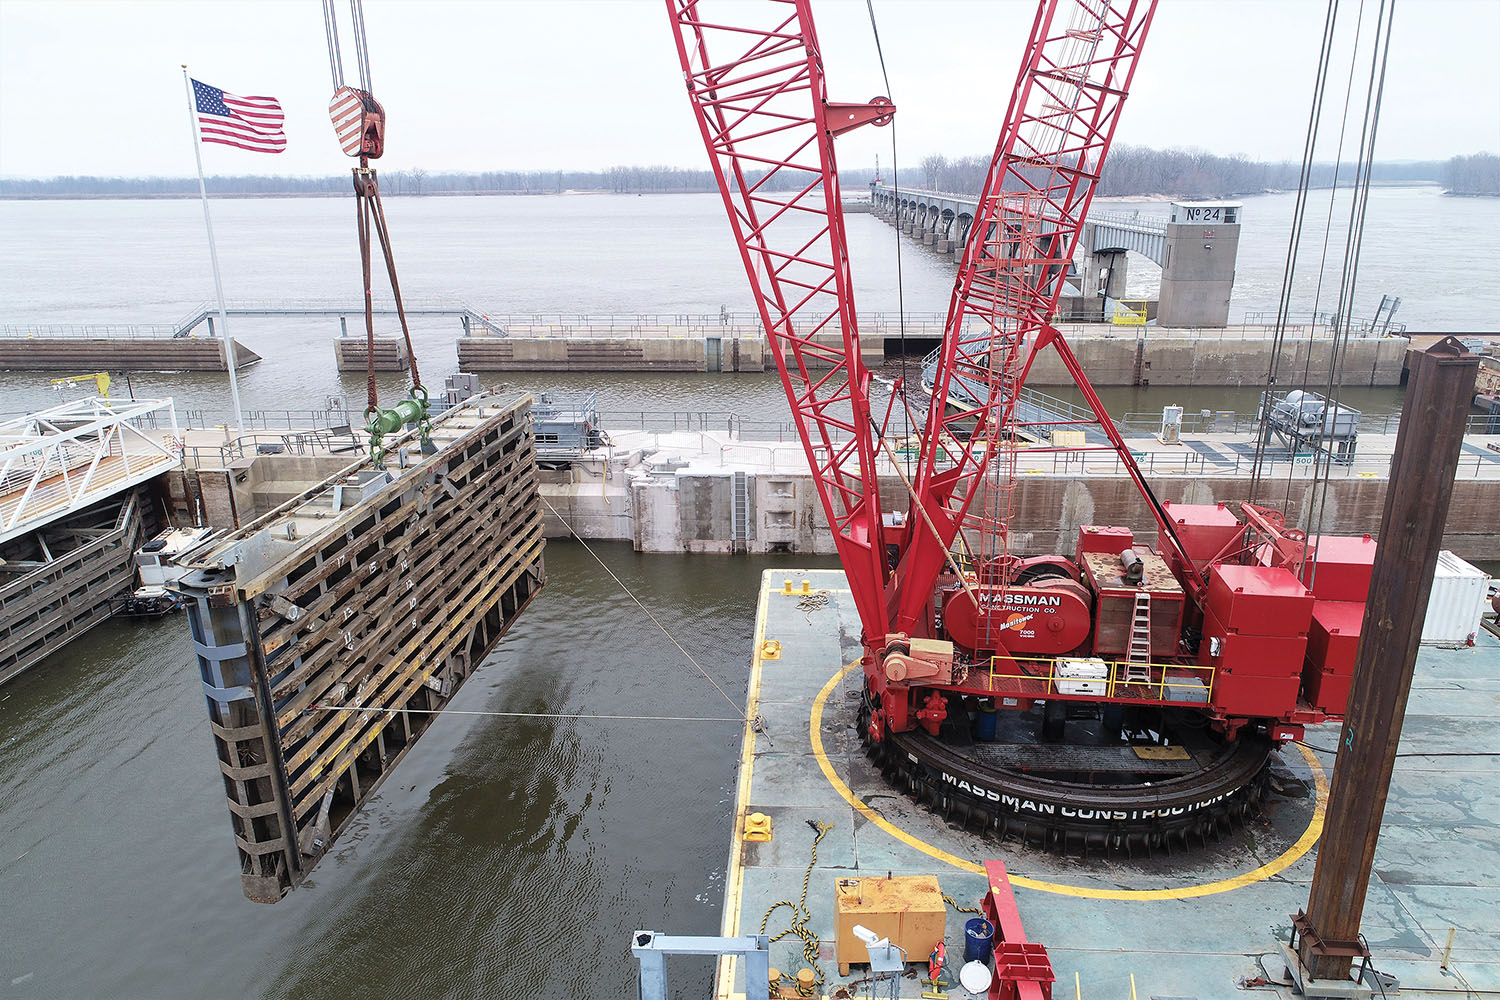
[(1457, 601)]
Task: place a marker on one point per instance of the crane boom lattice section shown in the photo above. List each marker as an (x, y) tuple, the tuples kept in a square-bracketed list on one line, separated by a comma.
[(1074, 78), (754, 76)]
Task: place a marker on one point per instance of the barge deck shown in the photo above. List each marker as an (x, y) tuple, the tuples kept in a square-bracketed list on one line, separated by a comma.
[(1205, 923)]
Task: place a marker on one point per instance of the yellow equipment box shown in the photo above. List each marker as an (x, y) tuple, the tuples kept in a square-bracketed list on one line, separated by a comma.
[(908, 909)]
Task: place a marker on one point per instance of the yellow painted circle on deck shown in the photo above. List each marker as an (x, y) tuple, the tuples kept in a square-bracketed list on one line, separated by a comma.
[(1287, 858)]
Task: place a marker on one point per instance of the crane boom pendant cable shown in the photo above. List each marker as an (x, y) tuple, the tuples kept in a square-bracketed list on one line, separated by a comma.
[(896, 189), (1294, 242)]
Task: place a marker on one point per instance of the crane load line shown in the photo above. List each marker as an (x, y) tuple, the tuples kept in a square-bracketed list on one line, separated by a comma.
[(654, 620)]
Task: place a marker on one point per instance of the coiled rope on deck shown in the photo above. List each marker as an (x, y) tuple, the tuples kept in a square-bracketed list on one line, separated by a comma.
[(800, 913)]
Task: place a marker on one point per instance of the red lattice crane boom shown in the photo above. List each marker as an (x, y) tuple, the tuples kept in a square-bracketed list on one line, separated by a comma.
[(764, 113), (1074, 77)]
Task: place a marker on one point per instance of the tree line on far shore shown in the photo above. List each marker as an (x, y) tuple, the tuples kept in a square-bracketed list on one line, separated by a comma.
[(1130, 170), (1477, 174), (1187, 173)]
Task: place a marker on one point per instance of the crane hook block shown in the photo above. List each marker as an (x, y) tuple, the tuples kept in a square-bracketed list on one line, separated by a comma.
[(358, 121)]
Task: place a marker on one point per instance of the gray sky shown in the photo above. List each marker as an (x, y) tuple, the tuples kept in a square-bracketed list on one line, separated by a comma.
[(95, 87)]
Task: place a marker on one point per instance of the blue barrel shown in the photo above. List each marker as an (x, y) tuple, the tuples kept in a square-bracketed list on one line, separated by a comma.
[(979, 940), (985, 726)]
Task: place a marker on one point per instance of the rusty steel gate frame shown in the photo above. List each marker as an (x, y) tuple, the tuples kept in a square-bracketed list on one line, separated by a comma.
[(392, 613)]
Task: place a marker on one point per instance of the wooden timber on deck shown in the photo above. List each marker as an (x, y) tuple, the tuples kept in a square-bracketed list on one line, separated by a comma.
[(328, 631)]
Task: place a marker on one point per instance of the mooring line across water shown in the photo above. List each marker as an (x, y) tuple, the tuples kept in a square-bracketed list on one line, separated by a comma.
[(637, 600), (523, 715)]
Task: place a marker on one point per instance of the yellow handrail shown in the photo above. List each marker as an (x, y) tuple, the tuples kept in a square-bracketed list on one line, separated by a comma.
[(1114, 680)]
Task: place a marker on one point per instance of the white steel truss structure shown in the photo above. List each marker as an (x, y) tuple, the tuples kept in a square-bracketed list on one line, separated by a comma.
[(59, 460)]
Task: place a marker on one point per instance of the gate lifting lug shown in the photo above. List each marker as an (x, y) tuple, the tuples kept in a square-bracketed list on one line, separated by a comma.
[(380, 422)]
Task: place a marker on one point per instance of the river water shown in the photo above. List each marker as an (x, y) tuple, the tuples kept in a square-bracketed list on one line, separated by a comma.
[(508, 857), (146, 262)]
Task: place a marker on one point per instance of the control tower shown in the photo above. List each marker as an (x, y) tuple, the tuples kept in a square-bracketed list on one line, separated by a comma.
[(1197, 265)]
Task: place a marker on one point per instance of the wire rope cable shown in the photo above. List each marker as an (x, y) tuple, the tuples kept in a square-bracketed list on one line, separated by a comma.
[(1354, 240), (361, 46), (1306, 384), (896, 193), (1294, 242), (331, 33), (654, 620)]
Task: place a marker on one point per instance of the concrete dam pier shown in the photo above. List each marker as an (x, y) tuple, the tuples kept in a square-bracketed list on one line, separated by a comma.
[(1195, 245), (51, 349)]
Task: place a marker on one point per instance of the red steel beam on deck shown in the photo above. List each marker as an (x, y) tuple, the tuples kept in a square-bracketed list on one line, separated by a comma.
[(1022, 969)]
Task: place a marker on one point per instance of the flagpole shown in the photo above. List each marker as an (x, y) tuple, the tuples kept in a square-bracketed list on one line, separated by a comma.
[(213, 251)]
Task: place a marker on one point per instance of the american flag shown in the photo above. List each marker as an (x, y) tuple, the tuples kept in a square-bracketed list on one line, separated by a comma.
[(252, 123)]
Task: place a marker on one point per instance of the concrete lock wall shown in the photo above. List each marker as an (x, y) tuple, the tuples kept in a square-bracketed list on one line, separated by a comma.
[(352, 354), (1168, 360), (692, 512), (254, 486), (655, 349)]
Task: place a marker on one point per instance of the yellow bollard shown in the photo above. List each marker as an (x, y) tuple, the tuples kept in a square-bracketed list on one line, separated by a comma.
[(757, 828)]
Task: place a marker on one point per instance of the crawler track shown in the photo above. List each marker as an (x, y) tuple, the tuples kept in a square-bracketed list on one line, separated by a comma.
[(1141, 818)]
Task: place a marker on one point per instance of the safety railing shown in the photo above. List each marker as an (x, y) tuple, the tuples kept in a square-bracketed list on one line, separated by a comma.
[(1155, 225), (1010, 677), (1231, 422), (602, 325), (221, 455), (1326, 321), (87, 331)]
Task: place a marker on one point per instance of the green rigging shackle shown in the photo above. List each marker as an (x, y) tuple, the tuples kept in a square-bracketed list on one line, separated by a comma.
[(380, 422)]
